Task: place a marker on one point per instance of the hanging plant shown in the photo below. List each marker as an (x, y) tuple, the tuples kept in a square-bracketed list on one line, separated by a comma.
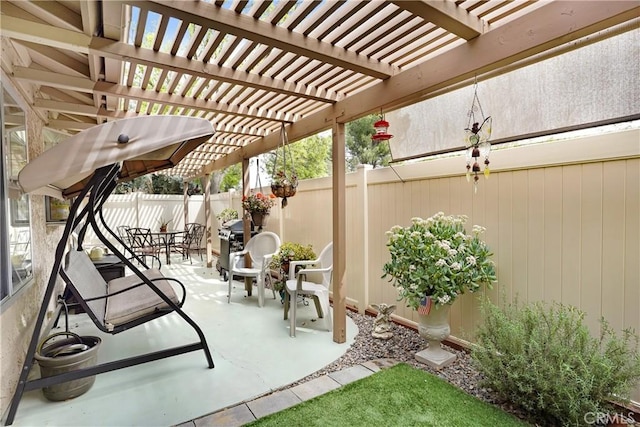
[(284, 180)]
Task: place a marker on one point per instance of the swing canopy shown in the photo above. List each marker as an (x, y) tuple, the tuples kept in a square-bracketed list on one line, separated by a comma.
[(142, 144)]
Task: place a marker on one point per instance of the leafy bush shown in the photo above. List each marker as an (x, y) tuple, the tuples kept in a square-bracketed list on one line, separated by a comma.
[(435, 257), (543, 359), (289, 251), (227, 215)]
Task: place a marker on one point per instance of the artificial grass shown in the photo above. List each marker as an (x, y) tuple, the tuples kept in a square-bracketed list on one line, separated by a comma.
[(398, 396)]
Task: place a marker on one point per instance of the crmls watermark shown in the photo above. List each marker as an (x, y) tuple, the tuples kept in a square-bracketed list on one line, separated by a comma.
[(604, 418)]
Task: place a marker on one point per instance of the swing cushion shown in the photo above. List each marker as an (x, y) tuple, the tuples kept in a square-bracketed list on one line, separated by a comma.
[(139, 301)]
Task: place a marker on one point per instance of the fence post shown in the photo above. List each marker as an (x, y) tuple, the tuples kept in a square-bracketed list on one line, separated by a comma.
[(185, 201), (359, 255)]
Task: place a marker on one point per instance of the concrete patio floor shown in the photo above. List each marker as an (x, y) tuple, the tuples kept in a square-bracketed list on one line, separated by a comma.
[(251, 347)]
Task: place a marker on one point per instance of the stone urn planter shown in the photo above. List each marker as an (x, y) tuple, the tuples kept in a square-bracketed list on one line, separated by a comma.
[(433, 326)]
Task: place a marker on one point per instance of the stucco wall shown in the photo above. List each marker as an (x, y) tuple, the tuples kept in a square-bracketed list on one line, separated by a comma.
[(18, 315)]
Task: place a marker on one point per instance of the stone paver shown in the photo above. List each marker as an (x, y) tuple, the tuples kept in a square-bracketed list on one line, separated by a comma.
[(378, 364), (351, 374), (231, 417), (275, 402), (315, 387)]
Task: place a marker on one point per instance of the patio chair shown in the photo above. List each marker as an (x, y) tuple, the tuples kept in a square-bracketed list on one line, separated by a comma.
[(191, 241), (301, 286), (123, 233), (143, 244), (261, 248)]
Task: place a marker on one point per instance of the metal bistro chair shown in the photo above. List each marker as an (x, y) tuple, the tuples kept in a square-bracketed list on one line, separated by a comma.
[(123, 233), (261, 248), (143, 244), (301, 286), (191, 241)]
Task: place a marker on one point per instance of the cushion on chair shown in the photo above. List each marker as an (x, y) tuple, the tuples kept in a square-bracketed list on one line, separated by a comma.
[(138, 301)]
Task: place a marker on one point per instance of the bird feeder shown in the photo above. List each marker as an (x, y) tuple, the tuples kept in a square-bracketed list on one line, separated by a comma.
[(381, 131)]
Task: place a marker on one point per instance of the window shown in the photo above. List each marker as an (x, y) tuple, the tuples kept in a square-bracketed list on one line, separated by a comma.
[(15, 227)]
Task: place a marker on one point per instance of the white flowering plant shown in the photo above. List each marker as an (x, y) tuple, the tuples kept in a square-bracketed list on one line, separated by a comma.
[(436, 257)]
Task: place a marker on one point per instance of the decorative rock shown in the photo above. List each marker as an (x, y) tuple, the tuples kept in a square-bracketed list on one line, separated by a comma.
[(382, 323)]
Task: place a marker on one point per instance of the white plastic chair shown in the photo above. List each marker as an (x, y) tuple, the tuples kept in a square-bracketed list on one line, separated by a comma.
[(261, 248), (318, 291)]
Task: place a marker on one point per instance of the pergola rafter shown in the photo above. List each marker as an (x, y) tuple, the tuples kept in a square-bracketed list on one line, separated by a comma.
[(250, 66)]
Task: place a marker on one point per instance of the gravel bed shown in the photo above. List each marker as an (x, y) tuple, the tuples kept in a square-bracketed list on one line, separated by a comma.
[(402, 347)]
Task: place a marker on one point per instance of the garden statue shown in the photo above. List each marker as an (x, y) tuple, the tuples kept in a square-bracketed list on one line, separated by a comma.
[(382, 324)]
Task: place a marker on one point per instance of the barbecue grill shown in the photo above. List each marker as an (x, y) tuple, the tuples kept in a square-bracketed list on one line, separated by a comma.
[(231, 240)]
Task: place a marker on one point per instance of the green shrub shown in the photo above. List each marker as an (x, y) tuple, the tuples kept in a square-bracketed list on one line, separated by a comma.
[(289, 251), (543, 359), (227, 215)]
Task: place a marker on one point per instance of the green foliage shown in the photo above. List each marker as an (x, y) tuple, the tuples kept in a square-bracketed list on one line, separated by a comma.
[(164, 184), (311, 158), (360, 150), (543, 359), (289, 251), (227, 215), (437, 258), (141, 183), (232, 178)]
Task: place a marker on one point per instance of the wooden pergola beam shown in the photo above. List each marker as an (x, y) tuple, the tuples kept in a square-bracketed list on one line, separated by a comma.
[(445, 14), (210, 16), (549, 26)]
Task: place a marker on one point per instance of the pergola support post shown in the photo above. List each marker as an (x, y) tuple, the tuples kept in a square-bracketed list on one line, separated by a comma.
[(246, 190), (339, 233), (207, 218)]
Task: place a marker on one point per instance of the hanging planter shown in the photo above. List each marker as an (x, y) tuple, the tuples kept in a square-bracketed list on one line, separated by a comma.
[(284, 182)]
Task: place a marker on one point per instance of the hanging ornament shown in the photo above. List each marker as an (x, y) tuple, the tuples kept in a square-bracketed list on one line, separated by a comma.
[(478, 132), (381, 128)]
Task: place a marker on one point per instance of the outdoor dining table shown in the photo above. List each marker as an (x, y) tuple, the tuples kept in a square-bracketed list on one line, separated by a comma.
[(168, 238)]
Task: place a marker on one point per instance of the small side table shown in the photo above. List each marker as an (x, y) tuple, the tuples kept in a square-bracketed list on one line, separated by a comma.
[(110, 267)]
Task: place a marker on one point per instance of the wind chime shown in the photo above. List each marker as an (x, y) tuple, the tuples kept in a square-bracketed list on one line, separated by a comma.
[(478, 132)]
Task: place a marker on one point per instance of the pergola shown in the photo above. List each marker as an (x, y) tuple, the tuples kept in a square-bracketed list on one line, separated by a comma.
[(250, 66)]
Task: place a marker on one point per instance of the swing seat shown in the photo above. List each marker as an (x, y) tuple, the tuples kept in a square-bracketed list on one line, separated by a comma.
[(121, 303)]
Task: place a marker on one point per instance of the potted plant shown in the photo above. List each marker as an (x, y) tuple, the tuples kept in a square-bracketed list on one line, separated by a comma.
[(433, 261), (284, 185), (227, 215), (284, 180), (289, 251), (164, 224), (258, 207)]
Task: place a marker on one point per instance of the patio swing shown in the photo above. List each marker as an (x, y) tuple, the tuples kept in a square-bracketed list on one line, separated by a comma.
[(90, 164)]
